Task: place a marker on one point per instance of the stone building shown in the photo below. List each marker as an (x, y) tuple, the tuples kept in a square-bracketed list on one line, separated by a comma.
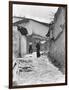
[(57, 39), (28, 30)]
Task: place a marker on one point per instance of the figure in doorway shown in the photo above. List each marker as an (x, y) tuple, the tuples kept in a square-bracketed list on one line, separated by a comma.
[(30, 48), (38, 49)]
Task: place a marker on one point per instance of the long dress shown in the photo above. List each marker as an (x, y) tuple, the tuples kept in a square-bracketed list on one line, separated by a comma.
[(38, 49)]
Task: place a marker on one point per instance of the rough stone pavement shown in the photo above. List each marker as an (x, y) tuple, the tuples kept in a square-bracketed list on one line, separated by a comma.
[(42, 72)]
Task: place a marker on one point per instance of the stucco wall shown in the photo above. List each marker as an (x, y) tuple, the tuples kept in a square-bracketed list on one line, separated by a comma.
[(15, 41), (38, 28), (35, 27), (19, 39), (57, 47), (23, 45), (59, 22)]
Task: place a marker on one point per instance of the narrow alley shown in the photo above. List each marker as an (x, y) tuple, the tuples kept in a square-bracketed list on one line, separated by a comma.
[(31, 70)]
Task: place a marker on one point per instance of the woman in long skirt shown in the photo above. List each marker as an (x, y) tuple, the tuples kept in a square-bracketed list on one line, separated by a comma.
[(38, 49)]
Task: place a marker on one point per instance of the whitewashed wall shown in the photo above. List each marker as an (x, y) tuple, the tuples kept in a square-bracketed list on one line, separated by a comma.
[(36, 27), (23, 45), (15, 41)]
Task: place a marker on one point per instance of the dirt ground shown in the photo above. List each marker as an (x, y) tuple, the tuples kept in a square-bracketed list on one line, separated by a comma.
[(31, 70)]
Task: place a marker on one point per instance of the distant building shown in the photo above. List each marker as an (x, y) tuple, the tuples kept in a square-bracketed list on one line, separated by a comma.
[(57, 39), (28, 30)]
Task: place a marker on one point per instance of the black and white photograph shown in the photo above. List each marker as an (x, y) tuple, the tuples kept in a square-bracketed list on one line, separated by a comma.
[(38, 44)]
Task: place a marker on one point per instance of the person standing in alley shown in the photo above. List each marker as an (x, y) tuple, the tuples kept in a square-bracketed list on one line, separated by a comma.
[(38, 49), (30, 48)]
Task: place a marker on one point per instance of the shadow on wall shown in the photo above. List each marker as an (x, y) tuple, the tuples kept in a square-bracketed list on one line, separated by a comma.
[(57, 53), (57, 45)]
